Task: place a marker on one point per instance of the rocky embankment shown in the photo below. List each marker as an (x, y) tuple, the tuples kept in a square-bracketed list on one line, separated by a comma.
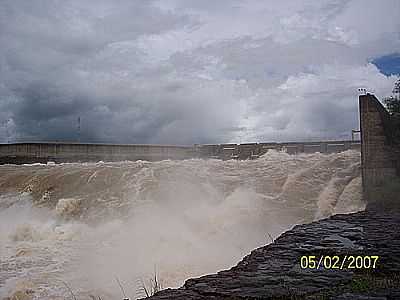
[(274, 271)]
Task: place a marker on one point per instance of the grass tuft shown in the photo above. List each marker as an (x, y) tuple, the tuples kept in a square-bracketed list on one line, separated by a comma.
[(153, 285)]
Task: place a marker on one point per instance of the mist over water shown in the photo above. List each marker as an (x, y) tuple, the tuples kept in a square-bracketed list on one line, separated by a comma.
[(87, 224)]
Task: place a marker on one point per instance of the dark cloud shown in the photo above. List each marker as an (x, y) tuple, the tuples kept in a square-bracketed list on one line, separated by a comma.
[(188, 71)]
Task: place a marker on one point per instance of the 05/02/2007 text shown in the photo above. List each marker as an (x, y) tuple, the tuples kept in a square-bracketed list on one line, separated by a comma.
[(339, 262)]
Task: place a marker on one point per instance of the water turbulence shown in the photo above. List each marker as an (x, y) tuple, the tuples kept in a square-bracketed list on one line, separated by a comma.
[(89, 225)]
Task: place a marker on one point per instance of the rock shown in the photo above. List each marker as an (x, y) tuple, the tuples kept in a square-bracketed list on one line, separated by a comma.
[(273, 271)]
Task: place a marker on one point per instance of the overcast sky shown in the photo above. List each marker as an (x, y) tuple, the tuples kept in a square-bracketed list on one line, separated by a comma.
[(191, 71)]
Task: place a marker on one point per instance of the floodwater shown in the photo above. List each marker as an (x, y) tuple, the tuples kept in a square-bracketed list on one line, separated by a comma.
[(88, 226)]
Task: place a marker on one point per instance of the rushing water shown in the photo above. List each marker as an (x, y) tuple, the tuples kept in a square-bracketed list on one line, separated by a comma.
[(90, 225)]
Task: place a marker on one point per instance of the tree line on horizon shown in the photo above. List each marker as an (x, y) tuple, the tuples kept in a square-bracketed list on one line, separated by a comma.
[(392, 104)]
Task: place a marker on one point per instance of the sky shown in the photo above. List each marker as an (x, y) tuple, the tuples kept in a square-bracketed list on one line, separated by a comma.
[(189, 71)]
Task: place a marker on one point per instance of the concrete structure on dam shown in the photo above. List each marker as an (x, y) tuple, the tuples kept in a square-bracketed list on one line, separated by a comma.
[(254, 150), (79, 152), (380, 152), (18, 153)]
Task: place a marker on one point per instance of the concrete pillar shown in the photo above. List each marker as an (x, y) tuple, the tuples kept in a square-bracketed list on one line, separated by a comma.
[(378, 160)]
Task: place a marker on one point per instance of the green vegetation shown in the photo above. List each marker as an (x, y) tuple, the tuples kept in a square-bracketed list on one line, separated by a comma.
[(392, 104), (363, 283)]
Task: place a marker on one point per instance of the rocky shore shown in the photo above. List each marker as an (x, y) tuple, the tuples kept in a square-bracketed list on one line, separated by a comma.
[(274, 271)]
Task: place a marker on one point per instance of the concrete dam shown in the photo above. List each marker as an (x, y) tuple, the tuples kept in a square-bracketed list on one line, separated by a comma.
[(158, 206), (380, 154), (189, 217), (38, 152)]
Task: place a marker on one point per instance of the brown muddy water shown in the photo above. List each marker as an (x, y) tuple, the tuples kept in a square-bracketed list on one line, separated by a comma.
[(86, 224)]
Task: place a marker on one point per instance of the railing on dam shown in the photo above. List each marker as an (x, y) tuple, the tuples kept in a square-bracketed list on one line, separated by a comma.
[(81, 152)]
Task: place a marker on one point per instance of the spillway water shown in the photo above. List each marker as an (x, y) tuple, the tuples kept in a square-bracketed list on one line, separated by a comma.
[(86, 226)]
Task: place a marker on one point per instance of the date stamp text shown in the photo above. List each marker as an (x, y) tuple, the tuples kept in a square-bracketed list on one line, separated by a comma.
[(339, 262)]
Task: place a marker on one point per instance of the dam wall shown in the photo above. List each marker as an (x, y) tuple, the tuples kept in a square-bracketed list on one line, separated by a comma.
[(78, 152), (255, 150), (380, 152), (34, 152)]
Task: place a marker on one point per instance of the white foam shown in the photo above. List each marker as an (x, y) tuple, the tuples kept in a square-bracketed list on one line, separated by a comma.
[(187, 217)]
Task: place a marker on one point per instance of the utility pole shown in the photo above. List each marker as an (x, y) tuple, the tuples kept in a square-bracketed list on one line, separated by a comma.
[(79, 129), (7, 132)]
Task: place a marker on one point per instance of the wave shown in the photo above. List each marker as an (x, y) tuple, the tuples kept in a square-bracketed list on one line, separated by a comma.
[(88, 223)]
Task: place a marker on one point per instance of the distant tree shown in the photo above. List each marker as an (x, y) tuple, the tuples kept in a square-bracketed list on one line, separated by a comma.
[(396, 89), (392, 104)]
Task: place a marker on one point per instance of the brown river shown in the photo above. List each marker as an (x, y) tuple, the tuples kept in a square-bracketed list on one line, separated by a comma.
[(88, 226)]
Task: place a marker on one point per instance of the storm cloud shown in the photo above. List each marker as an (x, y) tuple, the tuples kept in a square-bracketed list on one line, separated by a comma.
[(183, 72)]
